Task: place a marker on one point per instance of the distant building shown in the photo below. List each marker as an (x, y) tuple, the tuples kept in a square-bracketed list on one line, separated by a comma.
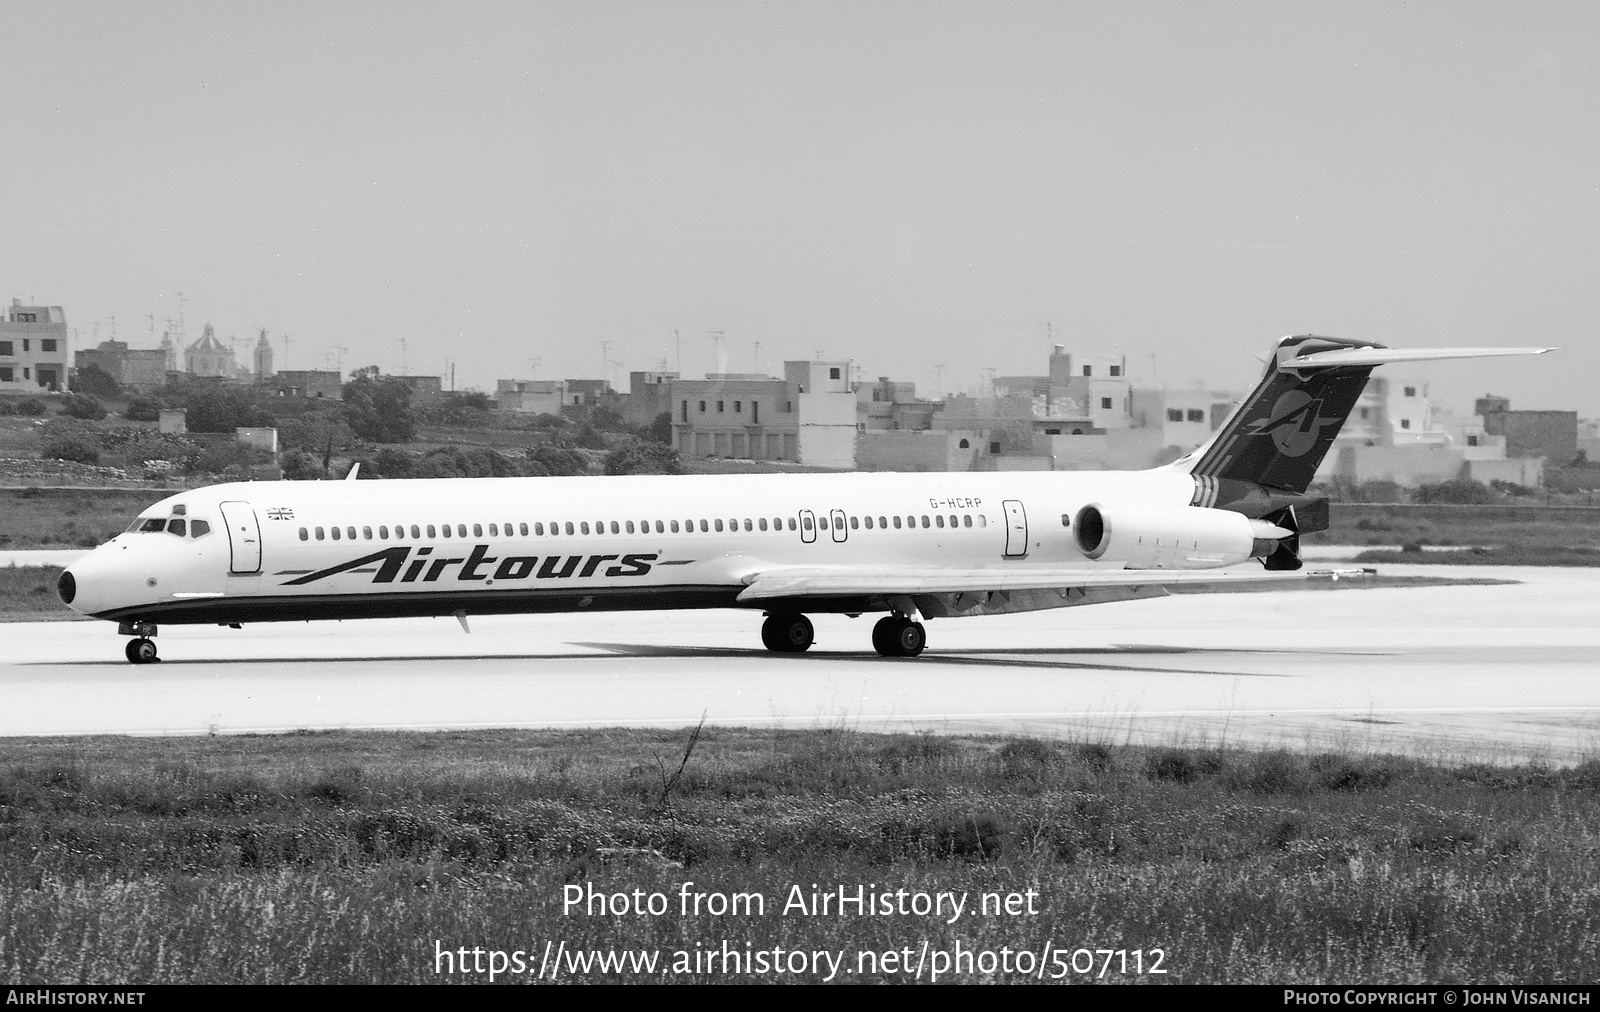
[(210, 358), (587, 393), (649, 396), (33, 349), (137, 369), (1552, 435), (310, 384), (531, 397), (424, 389), (890, 405), (807, 417), (263, 359), (1396, 434)]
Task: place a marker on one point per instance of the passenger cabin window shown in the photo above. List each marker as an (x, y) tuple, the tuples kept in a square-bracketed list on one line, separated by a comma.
[(319, 533), (351, 531), (305, 535), (335, 532), (366, 533), (461, 529), (477, 531), (417, 533)]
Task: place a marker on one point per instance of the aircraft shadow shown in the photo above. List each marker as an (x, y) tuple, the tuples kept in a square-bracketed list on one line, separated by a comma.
[(966, 658)]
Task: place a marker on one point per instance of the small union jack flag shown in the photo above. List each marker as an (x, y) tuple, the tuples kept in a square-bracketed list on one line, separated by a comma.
[(280, 513)]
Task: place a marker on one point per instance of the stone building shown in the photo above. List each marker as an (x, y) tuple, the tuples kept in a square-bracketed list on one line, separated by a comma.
[(140, 370)]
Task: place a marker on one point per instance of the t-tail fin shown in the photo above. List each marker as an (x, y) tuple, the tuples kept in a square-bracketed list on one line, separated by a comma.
[(1279, 434)]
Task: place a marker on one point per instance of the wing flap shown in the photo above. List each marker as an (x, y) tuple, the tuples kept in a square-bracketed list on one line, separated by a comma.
[(853, 580)]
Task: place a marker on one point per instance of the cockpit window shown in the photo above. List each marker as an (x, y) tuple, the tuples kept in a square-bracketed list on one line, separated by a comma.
[(178, 527), (199, 528), (155, 525)]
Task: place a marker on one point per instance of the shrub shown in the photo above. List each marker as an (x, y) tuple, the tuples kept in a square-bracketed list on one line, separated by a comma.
[(6, 407), (300, 466), (30, 406), (555, 460), (70, 445), (84, 406), (1461, 491), (143, 409), (1171, 764), (643, 458)]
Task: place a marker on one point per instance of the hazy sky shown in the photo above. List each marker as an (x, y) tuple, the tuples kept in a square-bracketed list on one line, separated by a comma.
[(903, 184)]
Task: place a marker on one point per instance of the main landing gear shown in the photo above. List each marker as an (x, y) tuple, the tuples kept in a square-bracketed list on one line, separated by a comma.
[(143, 649), (787, 633), (899, 636)]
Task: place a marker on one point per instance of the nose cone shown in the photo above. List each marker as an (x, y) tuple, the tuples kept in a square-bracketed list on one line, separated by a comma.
[(96, 582)]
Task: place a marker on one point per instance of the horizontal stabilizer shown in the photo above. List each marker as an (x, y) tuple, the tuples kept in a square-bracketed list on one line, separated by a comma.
[(1383, 356)]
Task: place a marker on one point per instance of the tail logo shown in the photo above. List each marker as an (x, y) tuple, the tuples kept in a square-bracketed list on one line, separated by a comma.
[(1295, 423)]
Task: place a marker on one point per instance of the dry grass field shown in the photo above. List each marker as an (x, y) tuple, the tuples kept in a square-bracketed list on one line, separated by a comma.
[(357, 857)]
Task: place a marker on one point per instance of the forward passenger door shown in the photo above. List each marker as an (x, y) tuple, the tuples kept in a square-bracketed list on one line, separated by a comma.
[(244, 537)]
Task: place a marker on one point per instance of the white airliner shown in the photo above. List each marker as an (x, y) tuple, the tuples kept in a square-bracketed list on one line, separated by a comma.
[(917, 546)]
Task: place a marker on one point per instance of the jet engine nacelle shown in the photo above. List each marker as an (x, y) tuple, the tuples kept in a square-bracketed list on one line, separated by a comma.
[(1172, 537)]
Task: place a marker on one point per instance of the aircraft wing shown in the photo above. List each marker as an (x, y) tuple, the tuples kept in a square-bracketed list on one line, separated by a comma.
[(1382, 356), (790, 582)]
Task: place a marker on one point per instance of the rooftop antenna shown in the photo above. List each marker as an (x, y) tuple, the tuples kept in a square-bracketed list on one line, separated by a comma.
[(988, 379), (181, 331), (677, 345), (533, 365), (152, 317), (716, 349), (341, 353), (755, 355), (285, 352), (404, 371), (938, 378), (605, 360)]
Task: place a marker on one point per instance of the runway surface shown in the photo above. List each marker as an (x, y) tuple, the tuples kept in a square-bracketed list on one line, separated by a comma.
[(1487, 672)]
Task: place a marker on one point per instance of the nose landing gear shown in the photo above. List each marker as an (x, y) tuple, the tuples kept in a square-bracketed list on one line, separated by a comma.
[(141, 650)]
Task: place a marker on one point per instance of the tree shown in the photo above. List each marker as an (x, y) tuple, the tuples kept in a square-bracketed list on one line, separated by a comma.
[(223, 409), (92, 379), (321, 433), (378, 408), (660, 430)]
